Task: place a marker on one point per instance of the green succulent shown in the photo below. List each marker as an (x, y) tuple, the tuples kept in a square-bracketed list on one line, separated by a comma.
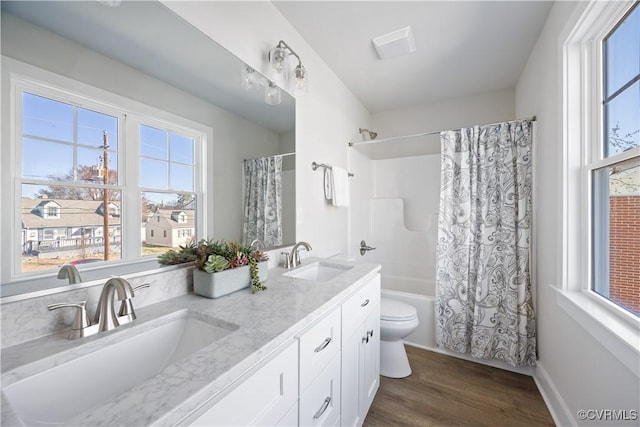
[(215, 263), (213, 256)]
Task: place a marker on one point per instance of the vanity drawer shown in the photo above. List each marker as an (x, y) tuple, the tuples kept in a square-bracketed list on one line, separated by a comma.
[(264, 398), (320, 403), (360, 305), (318, 345)]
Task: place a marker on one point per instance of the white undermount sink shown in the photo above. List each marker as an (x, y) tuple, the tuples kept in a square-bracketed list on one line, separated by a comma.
[(319, 271), (56, 395)]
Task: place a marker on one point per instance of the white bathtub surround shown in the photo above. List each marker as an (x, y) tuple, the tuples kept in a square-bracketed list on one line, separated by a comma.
[(265, 322), (483, 282)]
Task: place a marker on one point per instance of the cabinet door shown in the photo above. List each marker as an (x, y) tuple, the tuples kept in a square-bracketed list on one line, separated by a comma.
[(360, 353), (351, 366), (370, 379)]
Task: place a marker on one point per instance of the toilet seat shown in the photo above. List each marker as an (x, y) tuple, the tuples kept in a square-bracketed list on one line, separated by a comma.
[(391, 310)]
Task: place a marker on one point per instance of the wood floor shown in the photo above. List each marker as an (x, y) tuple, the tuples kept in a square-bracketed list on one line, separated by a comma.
[(446, 391)]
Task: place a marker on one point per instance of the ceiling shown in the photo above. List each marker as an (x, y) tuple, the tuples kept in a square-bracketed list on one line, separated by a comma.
[(463, 48)]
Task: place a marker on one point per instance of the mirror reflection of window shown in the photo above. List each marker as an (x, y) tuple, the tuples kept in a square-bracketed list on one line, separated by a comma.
[(71, 186)]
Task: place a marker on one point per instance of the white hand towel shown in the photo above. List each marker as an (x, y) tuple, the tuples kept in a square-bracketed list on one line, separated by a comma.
[(328, 184), (340, 187)]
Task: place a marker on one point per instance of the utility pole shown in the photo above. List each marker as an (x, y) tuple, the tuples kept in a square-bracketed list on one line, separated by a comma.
[(105, 197)]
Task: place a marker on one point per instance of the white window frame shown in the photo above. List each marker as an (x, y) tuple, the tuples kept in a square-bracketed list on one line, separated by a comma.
[(18, 76), (582, 87)]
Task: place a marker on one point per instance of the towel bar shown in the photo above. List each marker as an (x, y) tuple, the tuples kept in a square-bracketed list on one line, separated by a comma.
[(315, 166)]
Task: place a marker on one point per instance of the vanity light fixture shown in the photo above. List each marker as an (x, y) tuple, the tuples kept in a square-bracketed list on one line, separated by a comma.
[(272, 94), (251, 79), (278, 59)]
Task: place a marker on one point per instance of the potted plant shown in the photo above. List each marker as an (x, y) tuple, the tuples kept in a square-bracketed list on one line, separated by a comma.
[(221, 267)]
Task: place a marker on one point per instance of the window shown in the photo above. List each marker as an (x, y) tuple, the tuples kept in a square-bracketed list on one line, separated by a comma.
[(595, 173), (614, 169), (63, 144), (53, 212), (167, 180), (78, 197)]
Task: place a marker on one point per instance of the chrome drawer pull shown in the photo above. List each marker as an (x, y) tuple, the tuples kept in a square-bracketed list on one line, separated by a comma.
[(324, 345), (323, 408), (365, 303)]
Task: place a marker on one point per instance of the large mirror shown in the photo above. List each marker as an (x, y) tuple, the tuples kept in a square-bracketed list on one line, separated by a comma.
[(143, 53)]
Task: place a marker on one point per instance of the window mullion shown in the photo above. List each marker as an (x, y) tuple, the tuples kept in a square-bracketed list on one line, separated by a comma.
[(131, 190)]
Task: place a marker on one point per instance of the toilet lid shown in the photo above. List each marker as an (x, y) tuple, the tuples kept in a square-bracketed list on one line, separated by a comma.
[(396, 310)]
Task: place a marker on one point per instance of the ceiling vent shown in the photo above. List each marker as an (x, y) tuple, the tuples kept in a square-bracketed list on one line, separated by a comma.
[(395, 43)]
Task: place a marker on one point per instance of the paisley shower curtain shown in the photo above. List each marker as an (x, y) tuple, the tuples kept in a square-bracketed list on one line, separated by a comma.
[(263, 201), (483, 284)]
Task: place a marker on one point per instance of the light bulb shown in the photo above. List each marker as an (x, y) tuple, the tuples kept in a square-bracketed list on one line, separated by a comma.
[(302, 81), (249, 77), (277, 58), (272, 94)]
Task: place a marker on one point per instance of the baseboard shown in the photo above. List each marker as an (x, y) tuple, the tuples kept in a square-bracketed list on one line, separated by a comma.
[(559, 411)]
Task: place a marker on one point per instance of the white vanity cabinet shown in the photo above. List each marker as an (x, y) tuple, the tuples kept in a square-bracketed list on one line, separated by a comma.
[(327, 376), (267, 397), (360, 352)]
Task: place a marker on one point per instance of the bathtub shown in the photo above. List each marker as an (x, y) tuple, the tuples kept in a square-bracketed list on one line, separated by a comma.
[(419, 293)]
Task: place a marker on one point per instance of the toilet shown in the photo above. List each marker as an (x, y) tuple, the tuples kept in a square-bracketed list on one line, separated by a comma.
[(397, 320)]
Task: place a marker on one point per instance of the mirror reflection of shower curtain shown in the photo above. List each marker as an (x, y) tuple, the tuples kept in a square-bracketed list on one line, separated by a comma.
[(483, 281), (263, 201)]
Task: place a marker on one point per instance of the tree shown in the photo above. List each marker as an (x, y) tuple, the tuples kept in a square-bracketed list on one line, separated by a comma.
[(84, 173), (184, 200)]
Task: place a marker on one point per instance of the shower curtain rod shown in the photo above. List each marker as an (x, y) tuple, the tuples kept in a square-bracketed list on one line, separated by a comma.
[(393, 138), (293, 153)]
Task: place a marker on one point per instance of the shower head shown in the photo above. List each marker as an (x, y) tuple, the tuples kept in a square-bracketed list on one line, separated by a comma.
[(372, 134)]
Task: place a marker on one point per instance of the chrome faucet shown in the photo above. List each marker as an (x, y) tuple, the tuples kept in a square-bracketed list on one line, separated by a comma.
[(294, 257), (106, 316), (70, 272), (257, 243)]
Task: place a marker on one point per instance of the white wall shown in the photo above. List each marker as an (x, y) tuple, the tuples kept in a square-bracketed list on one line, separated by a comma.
[(452, 113), (575, 370), (325, 119)]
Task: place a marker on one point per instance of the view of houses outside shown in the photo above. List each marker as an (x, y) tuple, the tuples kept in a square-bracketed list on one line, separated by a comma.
[(70, 170), (58, 231)]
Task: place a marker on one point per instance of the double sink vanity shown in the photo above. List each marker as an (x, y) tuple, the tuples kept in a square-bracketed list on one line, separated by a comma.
[(303, 352)]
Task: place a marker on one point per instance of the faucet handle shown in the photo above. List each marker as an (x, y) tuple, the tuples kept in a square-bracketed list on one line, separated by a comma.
[(81, 319), (140, 287), (287, 260), (126, 306)]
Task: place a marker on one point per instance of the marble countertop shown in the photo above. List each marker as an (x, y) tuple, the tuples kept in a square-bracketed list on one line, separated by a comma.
[(266, 321)]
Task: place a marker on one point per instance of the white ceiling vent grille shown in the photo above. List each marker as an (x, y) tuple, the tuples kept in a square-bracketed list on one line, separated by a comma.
[(395, 43)]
